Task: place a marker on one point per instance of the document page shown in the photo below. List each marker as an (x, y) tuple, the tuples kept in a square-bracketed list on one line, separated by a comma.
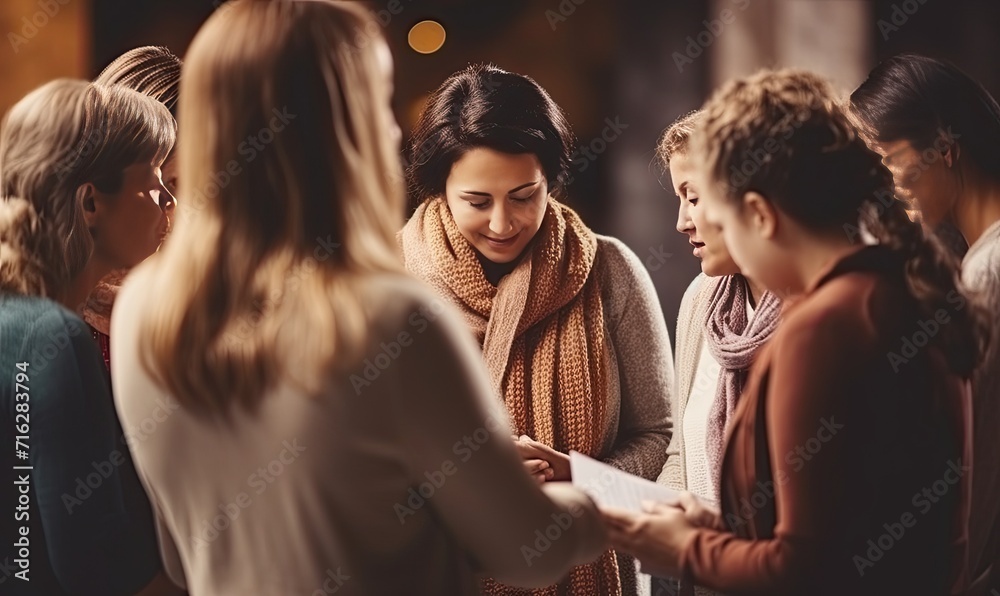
[(610, 487)]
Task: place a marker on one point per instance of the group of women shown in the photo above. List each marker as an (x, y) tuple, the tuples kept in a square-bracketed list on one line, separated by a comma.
[(312, 396)]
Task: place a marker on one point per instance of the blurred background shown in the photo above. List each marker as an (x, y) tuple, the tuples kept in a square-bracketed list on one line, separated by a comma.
[(622, 70)]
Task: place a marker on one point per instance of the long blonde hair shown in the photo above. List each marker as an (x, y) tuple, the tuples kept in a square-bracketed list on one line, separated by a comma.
[(57, 138), (260, 279)]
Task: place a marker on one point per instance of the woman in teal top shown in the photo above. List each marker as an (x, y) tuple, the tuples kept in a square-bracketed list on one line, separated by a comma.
[(79, 193)]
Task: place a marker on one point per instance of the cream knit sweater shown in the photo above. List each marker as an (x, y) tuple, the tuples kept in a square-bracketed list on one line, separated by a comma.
[(691, 320), (691, 325)]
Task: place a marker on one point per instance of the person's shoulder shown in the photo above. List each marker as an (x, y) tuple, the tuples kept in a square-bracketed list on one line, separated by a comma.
[(614, 252), (981, 267), (837, 313), (35, 317), (700, 283), (398, 294), (618, 267)]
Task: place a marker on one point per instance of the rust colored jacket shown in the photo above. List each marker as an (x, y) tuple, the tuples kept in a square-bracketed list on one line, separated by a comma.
[(848, 465)]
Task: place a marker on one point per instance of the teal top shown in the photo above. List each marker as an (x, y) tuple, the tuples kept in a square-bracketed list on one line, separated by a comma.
[(89, 525)]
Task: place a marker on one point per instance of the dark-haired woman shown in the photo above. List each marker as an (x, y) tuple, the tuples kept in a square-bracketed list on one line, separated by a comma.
[(569, 321), (939, 133), (846, 469)]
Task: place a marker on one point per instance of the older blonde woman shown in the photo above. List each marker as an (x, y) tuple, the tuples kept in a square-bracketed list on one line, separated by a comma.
[(79, 190)]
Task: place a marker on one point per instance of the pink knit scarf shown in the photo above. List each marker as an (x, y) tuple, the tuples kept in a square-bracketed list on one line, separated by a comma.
[(734, 344)]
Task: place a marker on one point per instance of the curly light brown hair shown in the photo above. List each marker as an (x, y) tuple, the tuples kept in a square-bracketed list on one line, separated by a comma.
[(677, 137)]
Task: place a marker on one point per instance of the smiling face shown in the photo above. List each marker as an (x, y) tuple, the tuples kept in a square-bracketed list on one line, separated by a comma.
[(923, 179), (498, 201), (706, 238)]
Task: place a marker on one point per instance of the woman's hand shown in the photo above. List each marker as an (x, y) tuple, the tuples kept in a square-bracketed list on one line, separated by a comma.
[(539, 469), (700, 513), (656, 537), (558, 463)]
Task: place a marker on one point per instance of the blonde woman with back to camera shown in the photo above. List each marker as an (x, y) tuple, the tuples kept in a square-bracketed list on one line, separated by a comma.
[(280, 472)]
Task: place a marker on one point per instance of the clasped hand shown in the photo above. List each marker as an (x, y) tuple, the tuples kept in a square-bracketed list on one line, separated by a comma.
[(544, 463), (658, 536)]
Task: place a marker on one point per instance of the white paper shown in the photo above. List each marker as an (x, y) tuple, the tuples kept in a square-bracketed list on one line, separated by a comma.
[(610, 487)]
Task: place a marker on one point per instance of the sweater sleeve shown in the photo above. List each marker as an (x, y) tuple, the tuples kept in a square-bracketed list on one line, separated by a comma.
[(450, 423), (646, 368), (77, 471), (805, 402), (673, 474)]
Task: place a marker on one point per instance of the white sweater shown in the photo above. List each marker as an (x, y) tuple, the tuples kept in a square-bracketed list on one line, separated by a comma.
[(981, 273)]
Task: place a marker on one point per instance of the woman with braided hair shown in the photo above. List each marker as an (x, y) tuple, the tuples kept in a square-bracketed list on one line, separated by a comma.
[(569, 321), (155, 72), (846, 469)]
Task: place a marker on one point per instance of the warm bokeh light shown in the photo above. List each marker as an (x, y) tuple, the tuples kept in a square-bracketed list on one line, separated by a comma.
[(426, 37)]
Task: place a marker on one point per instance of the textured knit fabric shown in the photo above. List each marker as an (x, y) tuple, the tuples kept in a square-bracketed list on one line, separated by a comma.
[(981, 273), (734, 340), (574, 341), (699, 476), (832, 442), (400, 477), (691, 326), (696, 371), (91, 527), (97, 312)]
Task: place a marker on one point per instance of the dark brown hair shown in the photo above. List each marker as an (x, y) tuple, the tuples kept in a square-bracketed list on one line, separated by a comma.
[(485, 106)]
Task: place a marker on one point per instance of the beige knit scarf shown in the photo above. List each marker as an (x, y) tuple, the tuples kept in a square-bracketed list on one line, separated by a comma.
[(542, 332)]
